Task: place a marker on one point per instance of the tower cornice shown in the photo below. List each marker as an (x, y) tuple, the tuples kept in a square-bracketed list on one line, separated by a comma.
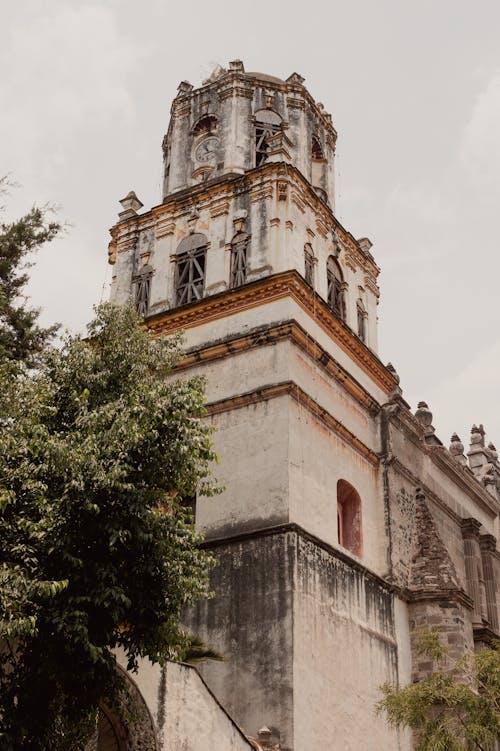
[(259, 182), (268, 289)]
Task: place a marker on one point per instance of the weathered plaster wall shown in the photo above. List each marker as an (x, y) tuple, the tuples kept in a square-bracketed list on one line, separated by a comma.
[(280, 216), (318, 460), (279, 311), (253, 449), (185, 713), (250, 622), (344, 649)]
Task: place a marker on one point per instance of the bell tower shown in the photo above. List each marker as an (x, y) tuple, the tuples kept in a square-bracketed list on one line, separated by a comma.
[(278, 304)]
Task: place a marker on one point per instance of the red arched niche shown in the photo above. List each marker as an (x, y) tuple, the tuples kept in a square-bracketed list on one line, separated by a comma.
[(349, 529)]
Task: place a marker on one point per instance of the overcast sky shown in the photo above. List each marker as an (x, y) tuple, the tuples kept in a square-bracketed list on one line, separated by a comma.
[(414, 92)]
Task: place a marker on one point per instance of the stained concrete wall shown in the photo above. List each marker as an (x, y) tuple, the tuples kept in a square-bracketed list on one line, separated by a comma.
[(250, 622), (183, 712), (345, 648), (308, 639)]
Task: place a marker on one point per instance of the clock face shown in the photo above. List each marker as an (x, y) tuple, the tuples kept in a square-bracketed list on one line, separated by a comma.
[(205, 151)]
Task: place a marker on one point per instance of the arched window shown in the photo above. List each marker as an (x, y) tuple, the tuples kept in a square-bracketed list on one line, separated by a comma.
[(143, 288), (361, 318), (190, 269), (267, 123), (309, 265), (349, 528), (206, 124), (238, 273), (316, 150), (335, 287)]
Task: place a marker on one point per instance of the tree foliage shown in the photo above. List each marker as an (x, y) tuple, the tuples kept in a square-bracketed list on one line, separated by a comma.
[(97, 552), (21, 338), (456, 707)]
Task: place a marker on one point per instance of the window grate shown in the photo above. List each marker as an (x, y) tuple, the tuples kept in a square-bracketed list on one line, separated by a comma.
[(190, 276)]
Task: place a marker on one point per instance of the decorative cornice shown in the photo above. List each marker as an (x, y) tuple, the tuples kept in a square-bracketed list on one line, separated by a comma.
[(441, 457), (289, 388), (293, 528), (268, 335), (439, 595), (261, 183), (275, 287), (463, 477)]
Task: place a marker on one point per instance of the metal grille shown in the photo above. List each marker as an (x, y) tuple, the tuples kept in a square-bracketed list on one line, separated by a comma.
[(361, 323), (142, 293), (335, 291), (190, 275), (239, 262), (262, 133), (309, 266)]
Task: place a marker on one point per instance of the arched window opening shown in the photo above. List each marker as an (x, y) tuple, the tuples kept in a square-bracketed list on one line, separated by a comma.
[(361, 317), (349, 528), (207, 124), (335, 288), (316, 150), (143, 288), (190, 269), (309, 265), (267, 123), (239, 247)]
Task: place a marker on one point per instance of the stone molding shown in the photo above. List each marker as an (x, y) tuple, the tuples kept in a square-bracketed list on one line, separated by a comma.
[(261, 183), (268, 289), (267, 335), (289, 388)]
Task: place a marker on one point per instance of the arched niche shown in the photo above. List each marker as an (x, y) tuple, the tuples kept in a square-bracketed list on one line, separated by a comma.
[(349, 521)]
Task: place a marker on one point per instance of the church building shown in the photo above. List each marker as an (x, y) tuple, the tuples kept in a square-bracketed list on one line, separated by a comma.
[(345, 525)]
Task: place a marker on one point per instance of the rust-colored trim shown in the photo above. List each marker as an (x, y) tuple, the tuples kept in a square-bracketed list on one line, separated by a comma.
[(271, 288), (289, 388)]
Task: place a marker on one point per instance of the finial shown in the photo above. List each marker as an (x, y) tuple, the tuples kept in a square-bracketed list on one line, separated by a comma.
[(131, 205), (493, 451), (457, 450), (424, 415), (456, 445), (392, 370), (184, 87), (237, 66), (477, 436), (365, 244), (295, 78)]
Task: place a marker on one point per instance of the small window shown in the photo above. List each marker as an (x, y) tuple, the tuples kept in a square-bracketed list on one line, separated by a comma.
[(143, 290), (361, 316), (309, 265), (239, 246), (190, 269), (267, 123), (349, 529), (316, 150), (335, 288)]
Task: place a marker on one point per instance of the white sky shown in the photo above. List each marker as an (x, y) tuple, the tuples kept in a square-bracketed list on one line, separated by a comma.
[(414, 91)]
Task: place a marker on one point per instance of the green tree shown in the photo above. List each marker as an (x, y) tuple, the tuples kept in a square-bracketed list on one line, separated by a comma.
[(97, 552), (21, 338), (456, 707)]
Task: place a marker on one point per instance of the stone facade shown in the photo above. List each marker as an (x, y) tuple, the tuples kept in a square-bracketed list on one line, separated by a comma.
[(345, 525)]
